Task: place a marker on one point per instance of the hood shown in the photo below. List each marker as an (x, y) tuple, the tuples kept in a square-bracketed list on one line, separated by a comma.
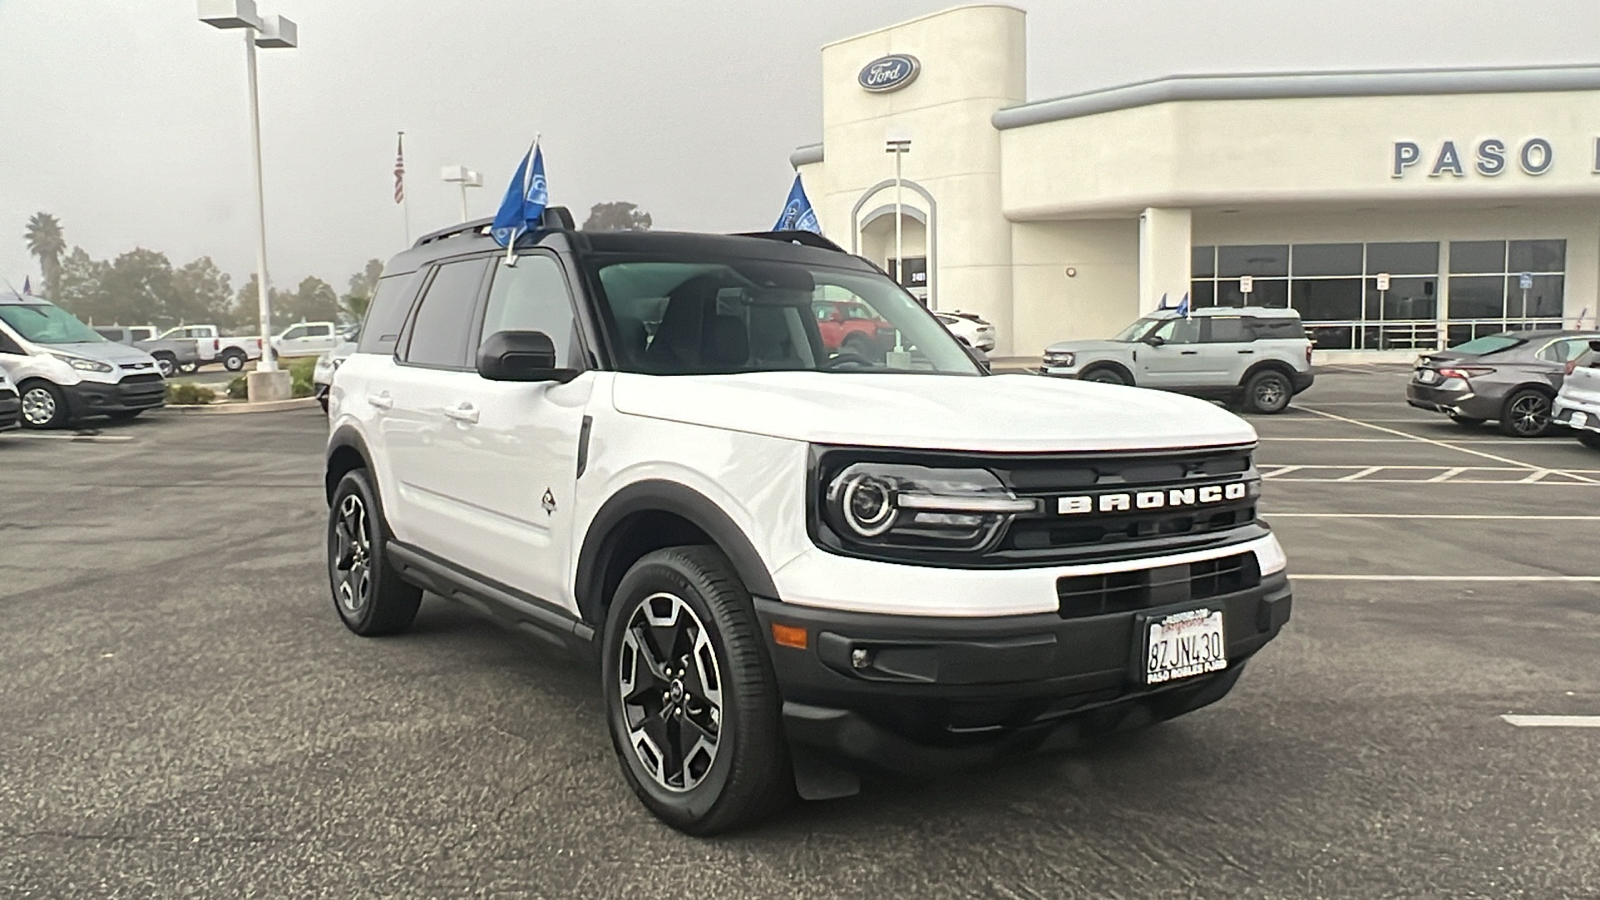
[(1000, 413), (107, 351), (1088, 347)]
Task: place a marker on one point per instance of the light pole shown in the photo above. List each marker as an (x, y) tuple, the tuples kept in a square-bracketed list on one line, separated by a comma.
[(899, 148), (267, 382), (465, 177)]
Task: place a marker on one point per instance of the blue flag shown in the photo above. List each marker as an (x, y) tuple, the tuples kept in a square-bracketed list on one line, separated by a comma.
[(797, 212), (1183, 308), (27, 286), (524, 202)]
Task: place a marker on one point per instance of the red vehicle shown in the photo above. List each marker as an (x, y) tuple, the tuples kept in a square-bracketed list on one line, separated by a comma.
[(853, 326)]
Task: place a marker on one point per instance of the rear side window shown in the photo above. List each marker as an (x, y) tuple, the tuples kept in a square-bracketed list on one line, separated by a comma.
[(386, 314), (1278, 329), (1228, 330), (442, 326)]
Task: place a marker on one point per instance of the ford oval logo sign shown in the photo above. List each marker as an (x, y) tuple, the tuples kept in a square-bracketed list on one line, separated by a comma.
[(889, 73)]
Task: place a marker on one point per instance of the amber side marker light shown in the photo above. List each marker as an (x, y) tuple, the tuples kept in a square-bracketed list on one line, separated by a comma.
[(789, 636)]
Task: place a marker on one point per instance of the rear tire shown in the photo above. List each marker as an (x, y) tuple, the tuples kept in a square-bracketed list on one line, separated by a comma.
[(1107, 375), (168, 365), (692, 702), (1526, 414), (233, 361), (368, 593), (1589, 439), (1268, 392)]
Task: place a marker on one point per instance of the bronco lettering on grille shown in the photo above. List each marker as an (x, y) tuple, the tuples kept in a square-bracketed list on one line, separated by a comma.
[(1133, 501)]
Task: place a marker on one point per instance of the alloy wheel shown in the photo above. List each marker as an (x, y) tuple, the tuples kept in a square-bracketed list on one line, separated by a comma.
[(1269, 393), (353, 555), (671, 690), (1530, 414), (38, 407)]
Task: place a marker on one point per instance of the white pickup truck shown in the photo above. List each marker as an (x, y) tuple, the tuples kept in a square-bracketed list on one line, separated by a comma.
[(232, 352)]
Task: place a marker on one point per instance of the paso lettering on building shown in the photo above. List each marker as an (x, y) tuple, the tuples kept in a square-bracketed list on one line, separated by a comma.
[(1489, 157)]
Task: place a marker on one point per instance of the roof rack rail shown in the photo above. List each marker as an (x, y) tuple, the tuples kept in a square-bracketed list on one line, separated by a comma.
[(555, 218), (805, 238)]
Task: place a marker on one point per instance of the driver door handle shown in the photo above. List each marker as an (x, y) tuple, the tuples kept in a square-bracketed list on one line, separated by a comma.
[(381, 401), (1188, 352), (1247, 351), (463, 412)]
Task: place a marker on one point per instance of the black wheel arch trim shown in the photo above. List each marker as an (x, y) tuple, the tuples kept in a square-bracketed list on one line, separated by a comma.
[(1276, 365), (1119, 368), (656, 495), (346, 437)]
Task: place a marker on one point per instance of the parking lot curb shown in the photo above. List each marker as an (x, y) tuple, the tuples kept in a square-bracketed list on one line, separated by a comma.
[(236, 408)]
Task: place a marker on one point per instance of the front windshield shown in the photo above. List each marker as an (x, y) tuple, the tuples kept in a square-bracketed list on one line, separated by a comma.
[(46, 323), (695, 317), (1137, 330)]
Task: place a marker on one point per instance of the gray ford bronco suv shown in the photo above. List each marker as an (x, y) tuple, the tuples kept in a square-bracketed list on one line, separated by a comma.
[(1256, 356)]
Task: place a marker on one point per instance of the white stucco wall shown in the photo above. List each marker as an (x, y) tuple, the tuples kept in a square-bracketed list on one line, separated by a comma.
[(1096, 301)]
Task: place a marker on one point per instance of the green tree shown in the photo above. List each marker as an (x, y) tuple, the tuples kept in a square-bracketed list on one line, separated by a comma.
[(202, 293), (82, 285), (138, 290), (314, 301), (47, 241), (246, 310), (616, 216), (362, 286)]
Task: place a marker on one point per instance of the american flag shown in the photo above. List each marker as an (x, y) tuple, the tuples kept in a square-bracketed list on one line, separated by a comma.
[(400, 168)]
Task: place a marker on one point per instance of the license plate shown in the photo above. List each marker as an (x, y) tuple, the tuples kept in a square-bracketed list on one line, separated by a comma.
[(1184, 645), (1578, 419), (1427, 376)]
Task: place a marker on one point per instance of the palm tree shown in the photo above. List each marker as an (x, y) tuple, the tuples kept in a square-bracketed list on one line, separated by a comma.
[(46, 241)]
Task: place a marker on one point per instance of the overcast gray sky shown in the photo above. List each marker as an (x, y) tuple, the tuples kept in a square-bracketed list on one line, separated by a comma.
[(126, 118)]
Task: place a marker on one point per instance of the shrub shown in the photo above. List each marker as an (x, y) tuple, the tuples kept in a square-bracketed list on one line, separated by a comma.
[(189, 394), (300, 374), (239, 388)]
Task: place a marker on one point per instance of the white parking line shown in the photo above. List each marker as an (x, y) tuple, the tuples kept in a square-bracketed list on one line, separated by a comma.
[(1357, 476), (1509, 442), (1553, 721), (1446, 475), (57, 436), (1449, 446), (1584, 579)]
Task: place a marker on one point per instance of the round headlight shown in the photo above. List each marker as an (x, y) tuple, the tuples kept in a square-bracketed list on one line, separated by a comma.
[(868, 505)]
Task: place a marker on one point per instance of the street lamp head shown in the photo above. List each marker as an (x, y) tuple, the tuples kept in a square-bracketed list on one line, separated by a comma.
[(277, 31), (229, 13)]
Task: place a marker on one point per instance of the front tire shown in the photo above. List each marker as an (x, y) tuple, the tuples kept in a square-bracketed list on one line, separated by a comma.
[(368, 593), (1526, 414), (43, 406), (691, 699), (1107, 375), (167, 364), (233, 361), (1268, 392)]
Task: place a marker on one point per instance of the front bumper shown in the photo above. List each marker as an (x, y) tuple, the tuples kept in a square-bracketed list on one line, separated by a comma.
[(10, 410), (93, 398), (1565, 410), (943, 692), (1459, 400)]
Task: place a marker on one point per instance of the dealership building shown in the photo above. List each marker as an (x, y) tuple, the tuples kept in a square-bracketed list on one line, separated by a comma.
[(1396, 210)]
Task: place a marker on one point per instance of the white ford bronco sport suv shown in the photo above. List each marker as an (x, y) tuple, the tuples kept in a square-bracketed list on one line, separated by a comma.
[(791, 565), (1256, 355)]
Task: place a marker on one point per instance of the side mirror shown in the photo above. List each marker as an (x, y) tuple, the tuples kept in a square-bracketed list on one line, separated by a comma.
[(1155, 340), (1595, 346), (521, 356)]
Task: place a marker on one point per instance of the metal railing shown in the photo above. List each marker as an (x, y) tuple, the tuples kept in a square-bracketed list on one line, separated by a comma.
[(1421, 334)]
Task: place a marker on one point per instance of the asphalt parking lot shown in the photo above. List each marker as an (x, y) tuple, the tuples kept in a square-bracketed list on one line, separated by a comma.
[(183, 715)]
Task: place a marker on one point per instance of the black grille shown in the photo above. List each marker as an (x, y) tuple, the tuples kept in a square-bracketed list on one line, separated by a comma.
[(1096, 595), (153, 378)]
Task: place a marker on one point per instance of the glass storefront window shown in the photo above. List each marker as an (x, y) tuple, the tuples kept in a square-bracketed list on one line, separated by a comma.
[(1257, 259), (1272, 292), (1328, 299), (1538, 256), (1406, 298), (1470, 257), (1543, 300), (1326, 259), (1202, 293), (1477, 296), (1403, 258), (1203, 262)]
